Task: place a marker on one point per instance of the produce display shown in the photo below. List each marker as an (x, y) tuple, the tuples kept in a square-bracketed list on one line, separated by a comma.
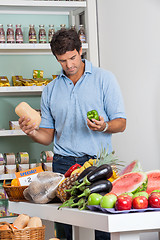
[(99, 185), (87, 167), (94, 181)]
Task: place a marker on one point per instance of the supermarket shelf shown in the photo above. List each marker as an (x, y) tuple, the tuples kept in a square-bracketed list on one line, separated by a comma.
[(8, 219), (7, 176), (11, 133), (21, 90), (29, 49), (40, 7)]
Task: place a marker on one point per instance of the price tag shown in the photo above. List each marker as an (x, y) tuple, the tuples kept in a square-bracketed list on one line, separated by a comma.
[(27, 176)]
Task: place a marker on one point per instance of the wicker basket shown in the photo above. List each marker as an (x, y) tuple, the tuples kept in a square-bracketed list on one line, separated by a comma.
[(14, 194), (37, 233)]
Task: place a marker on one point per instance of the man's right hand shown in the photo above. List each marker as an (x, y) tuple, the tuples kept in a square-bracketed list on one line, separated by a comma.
[(41, 135), (29, 129)]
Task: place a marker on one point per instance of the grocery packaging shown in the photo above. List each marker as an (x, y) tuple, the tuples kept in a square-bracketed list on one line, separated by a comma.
[(43, 189)]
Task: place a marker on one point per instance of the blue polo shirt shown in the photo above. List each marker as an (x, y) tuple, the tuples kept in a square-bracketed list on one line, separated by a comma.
[(64, 107)]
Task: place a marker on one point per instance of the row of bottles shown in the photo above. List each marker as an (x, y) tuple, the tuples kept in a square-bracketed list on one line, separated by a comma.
[(32, 36)]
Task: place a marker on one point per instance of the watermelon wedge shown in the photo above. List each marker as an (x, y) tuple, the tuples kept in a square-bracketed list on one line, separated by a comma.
[(134, 166), (153, 180), (130, 182)]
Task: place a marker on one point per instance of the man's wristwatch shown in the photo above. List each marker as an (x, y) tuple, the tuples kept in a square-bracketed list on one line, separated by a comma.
[(105, 127)]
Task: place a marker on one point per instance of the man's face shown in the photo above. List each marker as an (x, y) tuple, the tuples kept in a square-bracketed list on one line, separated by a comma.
[(70, 61)]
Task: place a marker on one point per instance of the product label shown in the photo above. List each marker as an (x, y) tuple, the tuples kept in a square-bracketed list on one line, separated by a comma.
[(27, 176), (82, 38)]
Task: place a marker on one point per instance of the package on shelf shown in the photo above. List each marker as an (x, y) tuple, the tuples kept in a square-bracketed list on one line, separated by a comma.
[(2, 169), (33, 165), (23, 167), (14, 125), (17, 80), (2, 192), (22, 158), (46, 156), (41, 81), (1, 159), (4, 82), (28, 82), (9, 158), (47, 166), (10, 169), (37, 73)]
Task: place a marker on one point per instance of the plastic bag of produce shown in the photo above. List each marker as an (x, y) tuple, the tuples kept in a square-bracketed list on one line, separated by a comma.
[(43, 189)]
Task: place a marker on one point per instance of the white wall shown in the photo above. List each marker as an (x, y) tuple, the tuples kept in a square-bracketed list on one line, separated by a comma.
[(129, 41)]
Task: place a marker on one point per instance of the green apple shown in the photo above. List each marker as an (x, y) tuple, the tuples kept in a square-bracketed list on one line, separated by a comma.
[(108, 201), (127, 193), (94, 199), (142, 193)]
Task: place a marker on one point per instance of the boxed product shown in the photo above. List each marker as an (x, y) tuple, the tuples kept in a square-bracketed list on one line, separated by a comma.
[(14, 125), (33, 165), (10, 169), (47, 166), (23, 167), (4, 81), (17, 80), (37, 74), (2, 170)]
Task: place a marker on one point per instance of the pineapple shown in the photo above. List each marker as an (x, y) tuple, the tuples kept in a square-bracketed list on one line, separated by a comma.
[(110, 159), (67, 183)]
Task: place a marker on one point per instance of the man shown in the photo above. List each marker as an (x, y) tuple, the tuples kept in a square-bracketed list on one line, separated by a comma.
[(65, 102)]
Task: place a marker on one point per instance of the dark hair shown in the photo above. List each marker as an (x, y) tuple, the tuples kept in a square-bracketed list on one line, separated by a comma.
[(65, 40)]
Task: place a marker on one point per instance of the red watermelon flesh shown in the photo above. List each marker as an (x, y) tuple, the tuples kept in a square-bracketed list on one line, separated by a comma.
[(132, 167), (153, 180), (130, 182)]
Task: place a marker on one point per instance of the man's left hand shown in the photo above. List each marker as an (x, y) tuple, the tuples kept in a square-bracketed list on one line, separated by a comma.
[(96, 125)]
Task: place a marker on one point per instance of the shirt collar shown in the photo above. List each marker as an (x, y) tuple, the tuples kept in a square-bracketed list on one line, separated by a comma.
[(88, 68)]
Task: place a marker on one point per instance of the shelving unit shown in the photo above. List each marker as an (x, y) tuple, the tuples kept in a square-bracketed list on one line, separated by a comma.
[(28, 49), (21, 90), (11, 133), (73, 9), (7, 176)]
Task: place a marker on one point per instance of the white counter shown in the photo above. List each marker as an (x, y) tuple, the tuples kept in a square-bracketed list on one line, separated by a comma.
[(121, 226)]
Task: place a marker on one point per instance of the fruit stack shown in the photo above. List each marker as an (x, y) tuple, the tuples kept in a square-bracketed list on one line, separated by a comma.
[(92, 180)]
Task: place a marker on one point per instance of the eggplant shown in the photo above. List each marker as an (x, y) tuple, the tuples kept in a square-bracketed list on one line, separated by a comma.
[(80, 202), (83, 174), (97, 187), (69, 202), (102, 172), (80, 179)]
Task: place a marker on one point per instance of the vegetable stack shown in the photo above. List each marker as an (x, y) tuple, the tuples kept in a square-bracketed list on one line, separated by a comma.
[(92, 180)]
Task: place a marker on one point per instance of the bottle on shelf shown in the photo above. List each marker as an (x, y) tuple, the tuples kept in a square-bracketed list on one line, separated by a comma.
[(32, 34), (19, 34), (63, 26), (42, 34), (81, 34), (2, 34), (73, 27), (51, 32), (10, 34)]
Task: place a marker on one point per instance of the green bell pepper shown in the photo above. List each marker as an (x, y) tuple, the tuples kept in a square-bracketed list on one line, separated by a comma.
[(93, 114)]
